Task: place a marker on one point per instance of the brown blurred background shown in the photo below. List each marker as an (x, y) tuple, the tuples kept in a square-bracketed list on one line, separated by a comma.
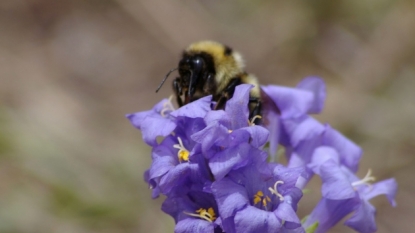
[(70, 70)]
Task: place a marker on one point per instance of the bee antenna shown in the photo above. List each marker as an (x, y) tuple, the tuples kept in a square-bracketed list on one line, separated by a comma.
[(167, 75)]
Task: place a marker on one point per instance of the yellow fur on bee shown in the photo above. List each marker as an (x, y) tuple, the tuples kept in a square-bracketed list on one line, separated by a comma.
[(226, 66)]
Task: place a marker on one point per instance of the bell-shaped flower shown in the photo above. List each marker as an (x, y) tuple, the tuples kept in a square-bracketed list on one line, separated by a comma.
[(176, 162), (251, 201), (286, 115), (343, 193), (195, 211)]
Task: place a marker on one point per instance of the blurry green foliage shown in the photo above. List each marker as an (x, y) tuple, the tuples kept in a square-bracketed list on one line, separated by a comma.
[(6, 136)]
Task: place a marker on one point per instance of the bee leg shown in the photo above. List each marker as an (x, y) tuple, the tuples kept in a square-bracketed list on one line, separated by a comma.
[(221, 102), (255, 109), (178, 91), (227, 93), (210, 86)]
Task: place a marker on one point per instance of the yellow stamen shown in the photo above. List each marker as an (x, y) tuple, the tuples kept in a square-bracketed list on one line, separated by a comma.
[(259, 197), (208, 215), (183, 153), (275, 191), (265, 201)]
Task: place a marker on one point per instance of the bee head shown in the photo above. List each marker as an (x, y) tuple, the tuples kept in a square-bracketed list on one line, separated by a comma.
[(206, 68), (192, 70)]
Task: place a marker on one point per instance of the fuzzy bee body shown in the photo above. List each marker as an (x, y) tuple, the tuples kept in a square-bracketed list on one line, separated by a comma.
[(211, 68)]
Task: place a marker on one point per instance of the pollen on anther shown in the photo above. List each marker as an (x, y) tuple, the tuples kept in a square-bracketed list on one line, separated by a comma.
[(208, 215), (258, 197), (183, 153)]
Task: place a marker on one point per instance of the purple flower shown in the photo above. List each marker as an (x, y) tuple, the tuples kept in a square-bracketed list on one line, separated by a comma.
[(343, 192), (195, 211), (154, 123), (254, 201), (328, 213), (306, 134), (300, 137), (317, 86), (213, 168), (293, 104), (348, 151), (226, 151), (308, 97), (167, 171), (234, 158), (231, 127), (176, 160), (162, 119), (230, 141), (363, 218)]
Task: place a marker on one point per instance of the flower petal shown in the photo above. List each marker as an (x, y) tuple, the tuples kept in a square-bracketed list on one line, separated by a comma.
[(349, 152), (286, 212), (288, 175), (292, 230), (321, 155), (259, 135), (174, 178), (329, 212), (154, 126), (161, 166), (252, 219), (335, 186), (237, 106), (292, 102), (230, 196), (209, 136), (388, 187), (218, 117), (363, 219), (302, 129), (195, 109), (191, 225), (318, 88), (137, 118), (226, 160), (271, 121)]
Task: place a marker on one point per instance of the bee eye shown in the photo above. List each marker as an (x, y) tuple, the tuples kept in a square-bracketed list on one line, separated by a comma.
[(198, 64)]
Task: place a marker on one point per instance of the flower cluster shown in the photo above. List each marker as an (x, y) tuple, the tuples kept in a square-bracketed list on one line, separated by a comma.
[(219, 173)]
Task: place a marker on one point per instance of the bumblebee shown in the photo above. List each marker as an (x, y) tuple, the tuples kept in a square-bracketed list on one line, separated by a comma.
[(211, 68)]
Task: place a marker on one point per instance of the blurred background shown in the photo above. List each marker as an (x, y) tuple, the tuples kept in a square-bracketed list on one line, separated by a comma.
[(71, 69)]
